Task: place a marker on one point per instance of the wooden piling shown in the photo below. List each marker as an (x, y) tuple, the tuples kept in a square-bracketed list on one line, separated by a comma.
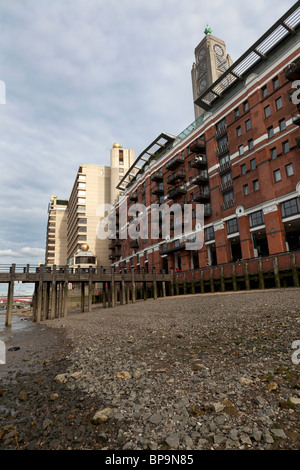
[(10, 297)]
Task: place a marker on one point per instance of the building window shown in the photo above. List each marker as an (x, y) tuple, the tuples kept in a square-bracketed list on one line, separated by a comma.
[(121, 157), (246, 106), (264, 91), (238, 131), (250, 144), (243, 169), (221, 124), (256, 219), (277, 175), (278, 103), (226, 177), (121, 170), (275, 82), (209, 234), (285, 146), (253, 164), (246, 189), (222, 141), (270, 132), (291, 207), (289, 169), (236, 113), (282, 124), (255, 185), (228, 196), (232, 226), (267, 110), (248, 125), (273, 153), (241, 150), (224, 158)]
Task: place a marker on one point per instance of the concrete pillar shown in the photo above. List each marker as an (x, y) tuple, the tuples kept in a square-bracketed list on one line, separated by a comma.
[(276, 272), (112, 289), (154, 284), (40, 295), (294, 270), (246, 274), (261, 280), (234, 283), (90, 296)]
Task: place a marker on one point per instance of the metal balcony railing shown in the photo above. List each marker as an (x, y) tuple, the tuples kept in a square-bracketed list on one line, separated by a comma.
[(175, 162), (199, 161), (176, 176)]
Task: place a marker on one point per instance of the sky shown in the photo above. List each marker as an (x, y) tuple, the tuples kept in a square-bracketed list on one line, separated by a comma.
[(80, 75)]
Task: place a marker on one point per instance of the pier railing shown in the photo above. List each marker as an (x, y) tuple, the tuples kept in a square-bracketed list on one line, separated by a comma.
[(52, 284)]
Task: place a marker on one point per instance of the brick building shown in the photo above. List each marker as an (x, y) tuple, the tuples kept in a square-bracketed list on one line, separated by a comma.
[(240, 159)]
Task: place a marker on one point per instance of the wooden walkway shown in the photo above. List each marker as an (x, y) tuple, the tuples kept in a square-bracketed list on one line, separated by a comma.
[(51, 292)]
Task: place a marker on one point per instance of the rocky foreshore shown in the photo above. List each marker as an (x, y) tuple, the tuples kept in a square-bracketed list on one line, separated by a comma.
[(202, 372)]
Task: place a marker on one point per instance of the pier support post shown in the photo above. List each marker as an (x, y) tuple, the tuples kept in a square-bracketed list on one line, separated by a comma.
[(90, 293), (222, 279), (261, 280), (294, 270), (66, 292), (40, 295), (10, 296), (133, 286), (211, 278), (53, 294), (154, 284), (246, 274), (82, 296), (276, 272), (234, 283), (112, 289)]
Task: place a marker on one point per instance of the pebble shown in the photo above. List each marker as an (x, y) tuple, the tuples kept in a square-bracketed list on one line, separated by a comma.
[(211, 374)]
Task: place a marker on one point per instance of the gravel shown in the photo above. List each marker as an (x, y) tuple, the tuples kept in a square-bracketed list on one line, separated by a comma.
[(199, 372)]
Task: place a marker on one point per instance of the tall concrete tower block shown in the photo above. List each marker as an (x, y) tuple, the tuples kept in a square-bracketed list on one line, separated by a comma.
[(121, 160), (211, 61)]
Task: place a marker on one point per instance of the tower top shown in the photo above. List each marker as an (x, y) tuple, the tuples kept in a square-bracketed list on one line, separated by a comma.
[(207, 30)]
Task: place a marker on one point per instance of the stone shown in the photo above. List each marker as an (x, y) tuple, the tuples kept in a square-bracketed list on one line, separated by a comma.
[(61, 378), (123, 375), (76, 375), (102, 416), (53, 396), (155, 419), (217, 407), (294, 400), (245, 381), (278, 433), (272, 386), (23, 396), (46, 423), (173, 441)]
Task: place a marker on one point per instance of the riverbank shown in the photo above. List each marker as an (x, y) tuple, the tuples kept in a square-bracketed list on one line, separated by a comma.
[(200, 372)]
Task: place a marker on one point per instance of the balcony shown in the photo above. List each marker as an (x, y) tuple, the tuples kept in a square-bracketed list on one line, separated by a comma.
[(224, 167), (292, 71), (201, 178), (157, 176), (176, 176), (198, 145), (158, 189), (199, 161), (207, 210), (228, 204), (177, 191), (296, 119), (112, 257), (175, 162), (221, 131), (202, 194), (133, 196), (222, 149), (226, 186)]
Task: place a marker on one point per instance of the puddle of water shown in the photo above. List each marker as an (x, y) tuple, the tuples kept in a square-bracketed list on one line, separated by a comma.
[(18, 324)]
